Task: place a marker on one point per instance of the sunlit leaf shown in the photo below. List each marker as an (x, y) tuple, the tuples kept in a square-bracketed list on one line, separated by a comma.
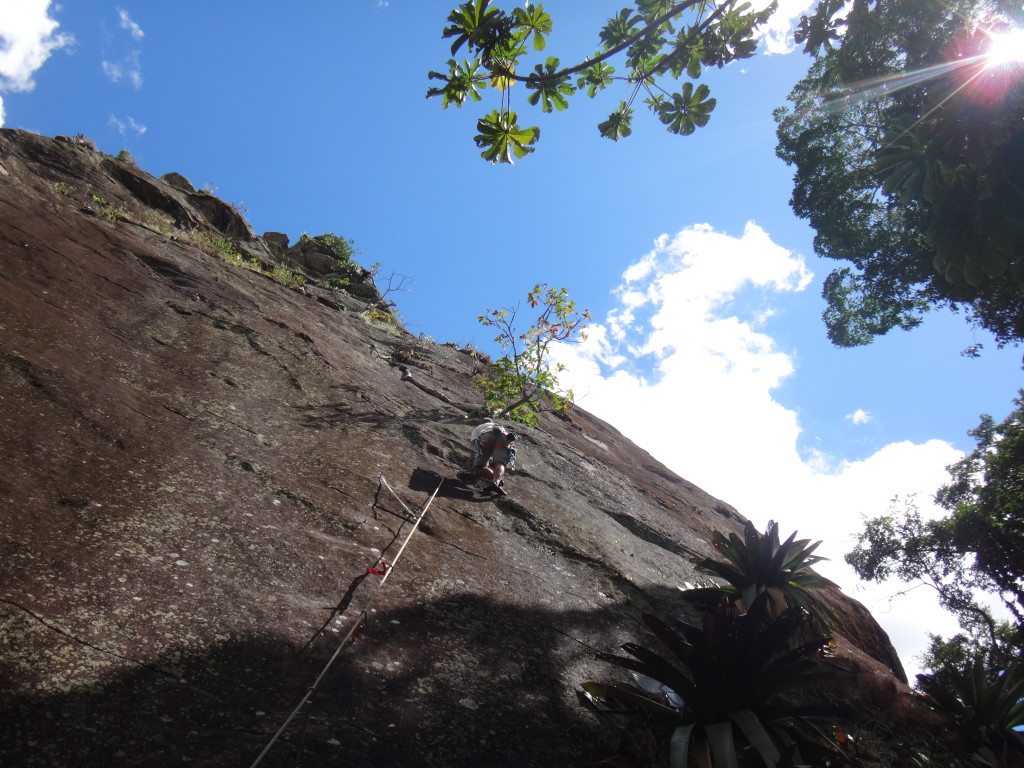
[(596, 78), (462, 81), (502, 138), (688, 110), (620, 28), (532, 20), (471, 23), (618, 124), (548, 90)]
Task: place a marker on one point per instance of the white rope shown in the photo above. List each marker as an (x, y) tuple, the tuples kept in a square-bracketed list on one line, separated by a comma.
[(363, 615)]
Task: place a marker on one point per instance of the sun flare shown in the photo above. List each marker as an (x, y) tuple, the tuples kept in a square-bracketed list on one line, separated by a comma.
[(1006, 48)]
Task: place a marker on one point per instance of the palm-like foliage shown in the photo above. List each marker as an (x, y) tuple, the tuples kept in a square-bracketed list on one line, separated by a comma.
[(757, 564), (988, 709), (715, 702)]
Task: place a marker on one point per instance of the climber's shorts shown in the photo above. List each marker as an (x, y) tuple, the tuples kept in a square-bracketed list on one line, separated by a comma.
[(486, 454)]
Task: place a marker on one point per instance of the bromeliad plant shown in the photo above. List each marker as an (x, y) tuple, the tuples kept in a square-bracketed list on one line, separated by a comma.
[(756, 565), (988, 707), (717, 701)]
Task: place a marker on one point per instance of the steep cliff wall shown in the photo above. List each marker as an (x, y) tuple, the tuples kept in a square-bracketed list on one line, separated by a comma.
[(192, 488)]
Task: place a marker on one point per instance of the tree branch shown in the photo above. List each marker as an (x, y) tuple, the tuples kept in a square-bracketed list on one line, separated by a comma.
[(674, 11)]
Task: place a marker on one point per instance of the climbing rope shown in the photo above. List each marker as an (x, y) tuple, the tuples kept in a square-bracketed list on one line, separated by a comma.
[(385, 571)]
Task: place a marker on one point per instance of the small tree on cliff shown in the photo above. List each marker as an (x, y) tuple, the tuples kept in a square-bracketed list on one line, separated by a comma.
[(524, 381)]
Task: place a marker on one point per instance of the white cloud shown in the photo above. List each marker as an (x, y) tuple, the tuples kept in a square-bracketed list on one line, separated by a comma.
[(126, 68), (126, 23), (684, 366), (114, 72), (124, 127), (27, 38), (858, 417), (777, 34), (129, 68)]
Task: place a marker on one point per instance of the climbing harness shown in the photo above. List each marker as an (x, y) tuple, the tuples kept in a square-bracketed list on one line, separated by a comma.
[(382, 569)]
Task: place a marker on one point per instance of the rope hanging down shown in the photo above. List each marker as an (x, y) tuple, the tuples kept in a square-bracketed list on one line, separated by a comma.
[(384, 568)]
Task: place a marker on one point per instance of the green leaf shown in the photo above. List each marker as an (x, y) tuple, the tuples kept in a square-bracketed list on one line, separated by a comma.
[(524, 381), (619, 28), (756, 734), (596, 78), (532, 20), (688, 110), (619, 123), (548, 90), (821, 29), (471, 24), (501, 137), (462, 81), (655, 667), (723, 746), (679, 746), (625, 695), (693, 65), (708, 597), (644, 56)]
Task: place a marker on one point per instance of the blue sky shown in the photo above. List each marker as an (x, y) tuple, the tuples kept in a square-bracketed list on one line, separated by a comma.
[(708, 347)]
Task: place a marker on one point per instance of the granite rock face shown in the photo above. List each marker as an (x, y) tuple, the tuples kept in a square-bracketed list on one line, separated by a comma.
[(200, 465)]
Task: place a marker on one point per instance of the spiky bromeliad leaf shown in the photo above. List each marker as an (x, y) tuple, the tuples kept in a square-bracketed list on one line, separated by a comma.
[(679, 745), (757, 735), (549, 92), (982, 705), (723, 745), (460, 83), (501, 138), (988, 704), (670, 638), (687, 111), (625, 696), (619, 123), (709, 597), (532, 20), (657, 670), (756, 563), (731, 674)]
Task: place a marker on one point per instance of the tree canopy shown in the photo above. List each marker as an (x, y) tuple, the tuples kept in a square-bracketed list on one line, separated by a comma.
[(977, 547), (657, 40), (908, 147)]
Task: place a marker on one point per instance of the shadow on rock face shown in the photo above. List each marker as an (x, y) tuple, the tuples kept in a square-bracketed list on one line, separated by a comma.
[(408, 692)]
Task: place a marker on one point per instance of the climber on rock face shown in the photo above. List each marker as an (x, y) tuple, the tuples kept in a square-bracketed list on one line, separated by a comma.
[(495, 452)]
